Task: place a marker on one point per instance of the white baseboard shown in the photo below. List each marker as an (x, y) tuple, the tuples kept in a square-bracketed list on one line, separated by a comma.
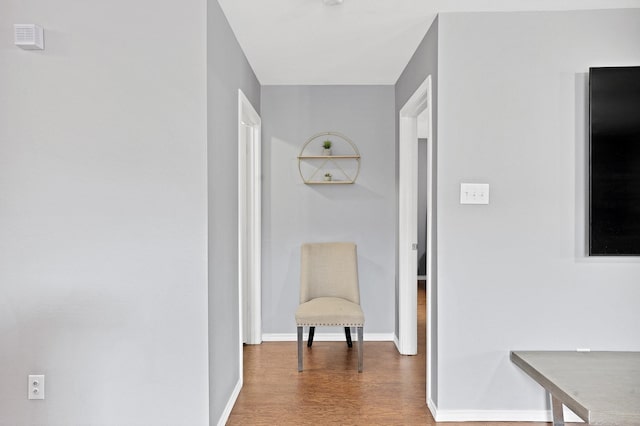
[(232, 400), (326, 337), (396, 341), (432, 408), (497, 415)]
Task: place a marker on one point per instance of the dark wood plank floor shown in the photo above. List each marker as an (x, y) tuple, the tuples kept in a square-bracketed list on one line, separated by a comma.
[(390, 391)]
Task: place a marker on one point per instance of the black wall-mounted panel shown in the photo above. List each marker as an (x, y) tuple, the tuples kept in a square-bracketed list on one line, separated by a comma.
[(614, 161)]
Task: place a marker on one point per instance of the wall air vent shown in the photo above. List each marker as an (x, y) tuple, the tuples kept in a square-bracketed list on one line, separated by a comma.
[(29, 36)]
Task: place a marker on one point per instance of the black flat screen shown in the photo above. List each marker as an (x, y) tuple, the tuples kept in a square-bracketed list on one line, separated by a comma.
[(614, 161)]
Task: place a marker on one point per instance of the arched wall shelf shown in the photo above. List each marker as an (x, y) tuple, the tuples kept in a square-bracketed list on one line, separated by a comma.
[(342, 164)]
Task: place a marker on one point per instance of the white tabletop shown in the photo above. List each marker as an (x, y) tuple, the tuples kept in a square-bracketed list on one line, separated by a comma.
[(603, 388)]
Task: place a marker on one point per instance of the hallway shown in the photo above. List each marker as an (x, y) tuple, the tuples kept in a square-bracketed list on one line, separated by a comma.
[(390, 391)]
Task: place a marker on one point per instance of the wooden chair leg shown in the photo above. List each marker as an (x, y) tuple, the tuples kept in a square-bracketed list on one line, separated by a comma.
[(347, 334), (312, 331), (360, 354), (299, 349)]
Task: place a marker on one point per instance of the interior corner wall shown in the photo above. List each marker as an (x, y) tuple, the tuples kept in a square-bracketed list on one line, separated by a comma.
[(423, 63), (103, 214), (295, 213), (514, 274), (227, 71)]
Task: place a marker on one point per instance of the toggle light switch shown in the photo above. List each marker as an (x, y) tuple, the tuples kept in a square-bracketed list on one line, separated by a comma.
[(474, 193)]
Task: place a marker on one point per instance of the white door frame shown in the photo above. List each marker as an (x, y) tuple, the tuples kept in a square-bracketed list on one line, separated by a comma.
[(249, 223), (408, 222)]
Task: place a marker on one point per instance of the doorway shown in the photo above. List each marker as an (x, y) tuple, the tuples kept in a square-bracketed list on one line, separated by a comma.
[(419, 104), (249, 223)]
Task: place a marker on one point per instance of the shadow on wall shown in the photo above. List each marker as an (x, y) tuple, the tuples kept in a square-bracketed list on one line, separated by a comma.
[(345, 192), (581, 121)]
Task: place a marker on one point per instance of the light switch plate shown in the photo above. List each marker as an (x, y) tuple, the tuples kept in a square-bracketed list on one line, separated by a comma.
[(474, 193)]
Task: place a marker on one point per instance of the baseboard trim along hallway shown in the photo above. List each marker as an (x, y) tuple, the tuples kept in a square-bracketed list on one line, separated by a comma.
[(232, 400), (498, 415), (326, 337)]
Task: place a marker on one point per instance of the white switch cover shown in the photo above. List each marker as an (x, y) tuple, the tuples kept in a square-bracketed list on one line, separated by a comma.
[(474, 193), (36, 386)]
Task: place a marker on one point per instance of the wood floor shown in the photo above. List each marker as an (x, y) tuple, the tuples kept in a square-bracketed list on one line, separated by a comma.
[(330, 391)]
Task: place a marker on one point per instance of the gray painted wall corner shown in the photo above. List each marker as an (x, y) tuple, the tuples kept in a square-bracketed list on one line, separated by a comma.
[(227, 70), (423, 63)]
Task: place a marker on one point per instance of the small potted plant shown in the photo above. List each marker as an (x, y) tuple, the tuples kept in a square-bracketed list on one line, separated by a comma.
[(327, 147), (328, 177)]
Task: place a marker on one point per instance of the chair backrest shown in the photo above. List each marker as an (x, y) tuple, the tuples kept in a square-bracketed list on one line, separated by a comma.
[(329, 270)]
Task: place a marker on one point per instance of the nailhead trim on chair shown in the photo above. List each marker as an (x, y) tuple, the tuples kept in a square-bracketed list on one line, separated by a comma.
[(317, 324)]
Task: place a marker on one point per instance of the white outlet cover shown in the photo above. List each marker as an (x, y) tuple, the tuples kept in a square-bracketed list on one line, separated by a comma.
[(36, 386)]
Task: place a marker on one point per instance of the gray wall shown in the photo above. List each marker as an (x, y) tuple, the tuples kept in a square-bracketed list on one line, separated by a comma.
[(294, 213), (423, 63), (514, 274), (227, 71), (103, 214)]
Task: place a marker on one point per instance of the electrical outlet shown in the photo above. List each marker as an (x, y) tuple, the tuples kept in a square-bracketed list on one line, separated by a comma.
[(36, 386)]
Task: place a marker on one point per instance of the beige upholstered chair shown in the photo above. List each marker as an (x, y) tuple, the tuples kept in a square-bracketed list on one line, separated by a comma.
[(329, 292)]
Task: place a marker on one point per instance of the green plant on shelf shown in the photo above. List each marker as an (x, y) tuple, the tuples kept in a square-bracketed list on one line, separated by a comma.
[(327, 147)]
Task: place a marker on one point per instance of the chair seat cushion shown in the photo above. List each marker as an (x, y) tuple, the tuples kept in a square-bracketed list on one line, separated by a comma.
[(329, 311)]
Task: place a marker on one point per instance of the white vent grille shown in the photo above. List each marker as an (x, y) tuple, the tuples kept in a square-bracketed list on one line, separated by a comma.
[(29, 36)]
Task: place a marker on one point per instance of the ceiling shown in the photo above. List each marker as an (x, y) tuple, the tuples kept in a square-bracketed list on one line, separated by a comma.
[(304, 42)]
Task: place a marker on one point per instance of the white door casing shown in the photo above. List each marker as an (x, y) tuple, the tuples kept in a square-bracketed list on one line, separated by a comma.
[(408, 222), (249, 222)]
